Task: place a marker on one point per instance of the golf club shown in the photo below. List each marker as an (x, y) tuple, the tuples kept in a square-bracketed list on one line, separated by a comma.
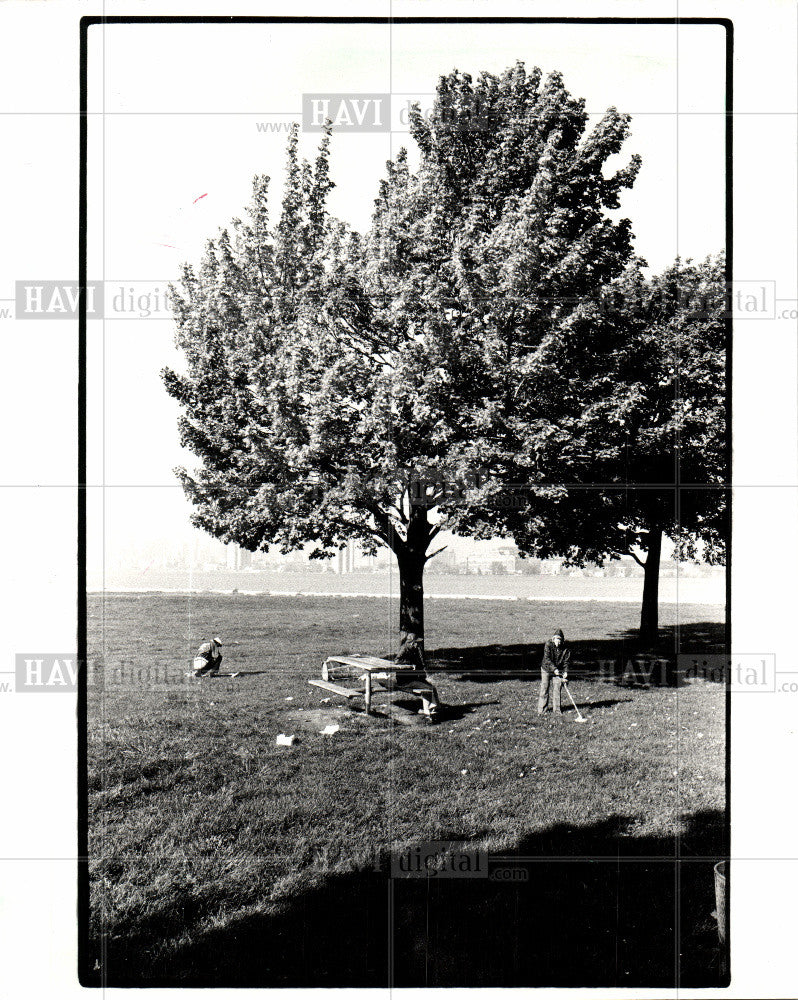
[(579, 716)]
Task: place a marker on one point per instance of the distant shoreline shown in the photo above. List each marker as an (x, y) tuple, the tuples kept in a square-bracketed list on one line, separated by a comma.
[(610, 599), (516, 588)]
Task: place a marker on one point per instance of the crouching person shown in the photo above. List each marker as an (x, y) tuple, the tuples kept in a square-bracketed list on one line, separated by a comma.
[(209, 658), (417, 681), (411, 676), (430, 702), (553, 672)]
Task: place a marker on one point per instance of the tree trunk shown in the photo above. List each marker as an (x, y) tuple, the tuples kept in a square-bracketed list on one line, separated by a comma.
[(411, 609), (649, 616), (412, 558)]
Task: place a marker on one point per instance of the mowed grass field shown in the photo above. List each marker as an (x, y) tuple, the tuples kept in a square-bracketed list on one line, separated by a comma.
[(219, 858)]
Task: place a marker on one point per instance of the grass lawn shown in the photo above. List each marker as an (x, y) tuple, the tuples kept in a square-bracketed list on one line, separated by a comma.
[(220, 858)]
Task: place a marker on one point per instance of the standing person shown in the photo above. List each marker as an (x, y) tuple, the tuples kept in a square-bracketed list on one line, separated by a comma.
[(209, 658), (553, 672)]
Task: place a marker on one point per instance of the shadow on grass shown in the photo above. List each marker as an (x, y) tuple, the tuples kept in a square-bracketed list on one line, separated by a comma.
[(236, 673), (483, 664), (602, 703), (567, 906), (448, 712), (409, 710)]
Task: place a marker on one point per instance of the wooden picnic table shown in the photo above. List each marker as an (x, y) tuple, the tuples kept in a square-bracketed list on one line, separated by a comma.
[(371, 670)]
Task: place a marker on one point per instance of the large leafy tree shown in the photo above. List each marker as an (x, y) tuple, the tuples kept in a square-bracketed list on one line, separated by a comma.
[(330, 378), (622, 440)]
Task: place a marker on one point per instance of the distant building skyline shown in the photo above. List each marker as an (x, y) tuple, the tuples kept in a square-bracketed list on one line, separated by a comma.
[(461, 555)]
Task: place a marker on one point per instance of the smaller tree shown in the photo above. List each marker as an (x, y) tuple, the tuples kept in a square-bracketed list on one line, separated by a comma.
[(621, 439)]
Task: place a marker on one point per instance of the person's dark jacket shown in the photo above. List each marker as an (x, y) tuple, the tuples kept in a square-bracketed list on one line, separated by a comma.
[(211, 653), (556, 658)]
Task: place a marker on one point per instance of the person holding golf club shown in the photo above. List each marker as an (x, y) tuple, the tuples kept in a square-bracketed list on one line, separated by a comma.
[(209, 658), (553, 672)]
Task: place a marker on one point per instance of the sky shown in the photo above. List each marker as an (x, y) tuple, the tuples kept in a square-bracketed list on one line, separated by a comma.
[(174, 142)]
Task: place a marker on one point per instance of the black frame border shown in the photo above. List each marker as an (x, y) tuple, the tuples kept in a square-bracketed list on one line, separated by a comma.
[(86, 976)]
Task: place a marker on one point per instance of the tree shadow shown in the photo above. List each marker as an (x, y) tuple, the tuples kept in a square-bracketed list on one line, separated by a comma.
[(409, 710), (447, 712), (608, 657), (233, 674), (601, 703), (592, 905)]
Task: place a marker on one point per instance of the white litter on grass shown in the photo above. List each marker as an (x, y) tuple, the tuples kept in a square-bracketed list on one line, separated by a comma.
[(285, 741), (326, 701), (290, 698), (464, 771), (329, 730)]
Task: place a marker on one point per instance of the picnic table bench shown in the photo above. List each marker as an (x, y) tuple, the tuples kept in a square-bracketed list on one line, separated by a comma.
[(371, 673)]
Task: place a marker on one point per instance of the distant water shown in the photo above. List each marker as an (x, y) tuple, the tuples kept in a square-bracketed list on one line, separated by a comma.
[(673, 590)]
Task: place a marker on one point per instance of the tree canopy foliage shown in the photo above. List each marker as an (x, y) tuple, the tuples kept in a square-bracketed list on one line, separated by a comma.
[(335, 383)]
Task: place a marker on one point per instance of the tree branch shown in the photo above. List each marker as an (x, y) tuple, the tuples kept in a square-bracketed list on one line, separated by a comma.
[(435, 553), (399, 508), (353, 526)]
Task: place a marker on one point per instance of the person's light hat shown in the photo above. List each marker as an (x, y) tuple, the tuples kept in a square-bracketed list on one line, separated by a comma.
[(217, 640)]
